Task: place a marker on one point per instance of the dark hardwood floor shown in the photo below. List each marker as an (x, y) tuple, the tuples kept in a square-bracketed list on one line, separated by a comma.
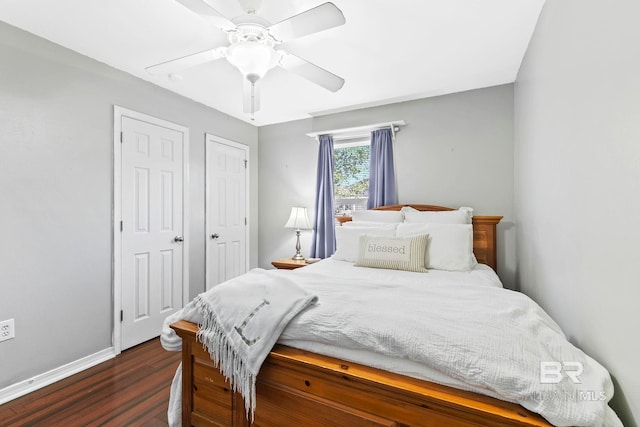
[(130, 390)]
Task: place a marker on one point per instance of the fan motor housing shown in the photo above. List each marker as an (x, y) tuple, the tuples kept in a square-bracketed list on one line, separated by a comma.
[(251, 32)]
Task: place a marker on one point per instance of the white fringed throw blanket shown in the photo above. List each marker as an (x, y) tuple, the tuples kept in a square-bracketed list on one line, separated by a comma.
[(240, 321)]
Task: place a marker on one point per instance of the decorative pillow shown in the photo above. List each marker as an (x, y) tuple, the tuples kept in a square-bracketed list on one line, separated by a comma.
[(459, 216), (397, 253), (450, 245), (348, 239), (377, 216)]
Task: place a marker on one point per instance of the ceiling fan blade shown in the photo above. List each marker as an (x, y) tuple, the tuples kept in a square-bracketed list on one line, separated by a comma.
[(310, 71), (202, 7), (251, 96), (319, 18), (177, 65)]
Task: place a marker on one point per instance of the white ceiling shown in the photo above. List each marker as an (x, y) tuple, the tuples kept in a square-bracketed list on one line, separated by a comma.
[(388, 50)]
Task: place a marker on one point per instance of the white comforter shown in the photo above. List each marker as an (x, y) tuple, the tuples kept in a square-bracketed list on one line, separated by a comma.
[(465, 327), (460, 329)]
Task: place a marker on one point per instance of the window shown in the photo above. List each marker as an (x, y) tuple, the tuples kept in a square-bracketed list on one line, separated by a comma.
[(351, 176)]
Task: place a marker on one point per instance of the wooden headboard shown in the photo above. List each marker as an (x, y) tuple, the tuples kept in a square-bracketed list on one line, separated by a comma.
[(484, 231)]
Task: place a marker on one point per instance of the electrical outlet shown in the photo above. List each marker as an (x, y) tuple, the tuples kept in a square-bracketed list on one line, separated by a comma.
[(7, 330)]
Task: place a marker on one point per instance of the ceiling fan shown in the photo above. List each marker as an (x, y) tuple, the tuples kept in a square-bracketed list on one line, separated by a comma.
[(253, 45)]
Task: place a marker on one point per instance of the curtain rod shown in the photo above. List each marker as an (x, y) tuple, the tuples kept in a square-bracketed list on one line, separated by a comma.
[(358, 131)]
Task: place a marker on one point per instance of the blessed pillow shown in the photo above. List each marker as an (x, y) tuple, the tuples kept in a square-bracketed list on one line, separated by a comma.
[(396, 253), (377, 216), (459, 216), (450, 246), (348, 239)]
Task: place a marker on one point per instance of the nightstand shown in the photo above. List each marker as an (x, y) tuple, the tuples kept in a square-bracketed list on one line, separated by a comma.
[(288, 264)]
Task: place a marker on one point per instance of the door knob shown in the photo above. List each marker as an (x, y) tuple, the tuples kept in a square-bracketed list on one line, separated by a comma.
[(178, 239), (215, 236)]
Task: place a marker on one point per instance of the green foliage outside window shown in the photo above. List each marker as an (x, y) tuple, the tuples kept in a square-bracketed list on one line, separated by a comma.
[(351, 171)]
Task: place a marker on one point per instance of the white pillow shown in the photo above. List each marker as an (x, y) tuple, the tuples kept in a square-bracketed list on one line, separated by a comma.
[(450, 245), (459, 216), (371, 224), (397, 253), (408, 209), (348, 240), (377, 216)]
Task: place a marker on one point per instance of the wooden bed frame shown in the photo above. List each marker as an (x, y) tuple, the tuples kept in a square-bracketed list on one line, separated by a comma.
[(303, 389)]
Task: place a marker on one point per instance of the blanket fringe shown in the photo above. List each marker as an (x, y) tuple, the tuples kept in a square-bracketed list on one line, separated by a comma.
[(213, 337)]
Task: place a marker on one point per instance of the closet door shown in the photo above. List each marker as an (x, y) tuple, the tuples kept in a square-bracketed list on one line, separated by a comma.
[(150, 254), (227, 225)]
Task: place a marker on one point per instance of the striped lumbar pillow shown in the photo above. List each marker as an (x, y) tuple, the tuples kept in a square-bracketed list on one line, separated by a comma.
[(397, 253)]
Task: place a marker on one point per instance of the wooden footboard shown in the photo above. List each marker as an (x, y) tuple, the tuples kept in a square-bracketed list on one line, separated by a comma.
[(299, 388)]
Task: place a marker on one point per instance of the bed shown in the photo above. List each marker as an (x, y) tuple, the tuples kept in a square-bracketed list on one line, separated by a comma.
[(299, 387)]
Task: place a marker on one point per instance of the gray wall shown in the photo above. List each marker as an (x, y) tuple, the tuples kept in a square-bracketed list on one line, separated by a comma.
[(456, 150), (577, 162), (56, 172)]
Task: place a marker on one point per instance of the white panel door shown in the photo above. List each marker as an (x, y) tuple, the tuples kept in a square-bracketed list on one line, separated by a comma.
[(152, 228), (227, 228)]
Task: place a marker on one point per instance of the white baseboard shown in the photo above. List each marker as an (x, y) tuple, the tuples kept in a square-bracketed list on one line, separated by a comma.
[(32, 384)]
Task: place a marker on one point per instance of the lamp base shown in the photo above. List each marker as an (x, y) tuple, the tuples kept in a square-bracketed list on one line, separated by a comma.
[(298, 256)]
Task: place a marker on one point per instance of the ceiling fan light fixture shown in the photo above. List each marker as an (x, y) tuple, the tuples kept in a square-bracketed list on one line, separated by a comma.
[(253, 59)]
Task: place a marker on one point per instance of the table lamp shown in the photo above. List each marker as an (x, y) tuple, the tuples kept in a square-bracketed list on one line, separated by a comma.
[(300, 221)]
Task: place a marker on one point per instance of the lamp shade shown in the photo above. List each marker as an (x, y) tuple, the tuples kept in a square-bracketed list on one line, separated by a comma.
[(298, 219)]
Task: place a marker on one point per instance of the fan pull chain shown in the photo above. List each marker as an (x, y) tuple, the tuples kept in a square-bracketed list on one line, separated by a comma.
[(253, 101)]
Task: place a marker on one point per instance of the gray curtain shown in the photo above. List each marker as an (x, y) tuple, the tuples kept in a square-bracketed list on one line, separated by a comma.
[(323, 241), (382, 178)]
